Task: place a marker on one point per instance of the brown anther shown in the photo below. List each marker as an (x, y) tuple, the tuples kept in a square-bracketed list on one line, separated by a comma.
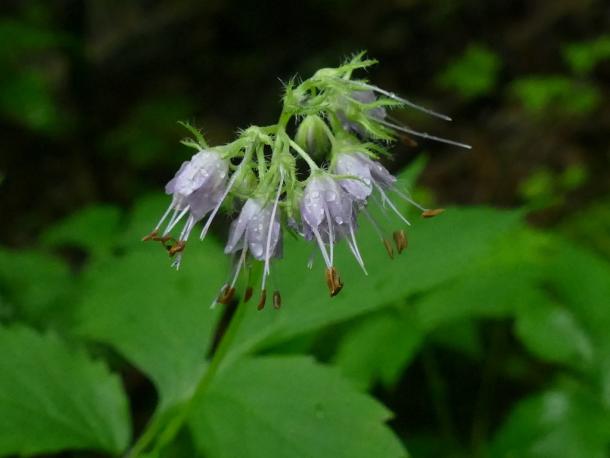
[(248, 294), (432, 212), (277, 300), (337, 283), (151, 236), (262, 300), (333, 281), (226, 296), (408, 141), (176, 247), (388, 248), (328, 274), (401, 240)]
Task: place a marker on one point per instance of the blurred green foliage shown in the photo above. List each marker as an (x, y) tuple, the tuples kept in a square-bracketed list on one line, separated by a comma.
[(556, 94), (474, 74), (486, 338), (463, 269), (582, 57)]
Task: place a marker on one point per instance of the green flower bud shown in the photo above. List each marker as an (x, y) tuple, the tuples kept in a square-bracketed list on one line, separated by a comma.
[(312, 136)]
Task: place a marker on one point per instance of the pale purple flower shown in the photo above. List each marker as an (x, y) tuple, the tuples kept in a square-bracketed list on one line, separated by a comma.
[(366, 179), (256, 231), (328, 216), (198, 188)]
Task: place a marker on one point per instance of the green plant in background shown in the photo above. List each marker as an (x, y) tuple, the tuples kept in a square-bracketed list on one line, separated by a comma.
[(566, 95), (544, 188), (542, 94), (584, 56), (474, 74), (294, 383), (27, 95)]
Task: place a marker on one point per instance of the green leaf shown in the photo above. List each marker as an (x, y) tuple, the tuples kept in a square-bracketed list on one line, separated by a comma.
[(94, 228), (439, 250), (36, 287), (565, 422), (289, 407), (53, 398), (379, 347), (553, 333), (157, 318)]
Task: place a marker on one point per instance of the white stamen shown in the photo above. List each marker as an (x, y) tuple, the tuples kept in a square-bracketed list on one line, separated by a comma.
[(407, 198), (331, 235), (354, 247), (242, 258), (204, 231), (273, 210), (422, 134), (322, 247), (188, 227), (175, 221), (169, 209), (373, 223), (402, 100), (392, 206)]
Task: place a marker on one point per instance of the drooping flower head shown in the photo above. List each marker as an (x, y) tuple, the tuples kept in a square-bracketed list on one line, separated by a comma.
[(197, 189), (344, 125)]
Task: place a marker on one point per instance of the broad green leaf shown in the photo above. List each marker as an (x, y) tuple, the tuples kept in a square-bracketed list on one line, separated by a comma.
[(94, 228), (439, 250), (581, 280), (53, 398), (35, 287), (552, 332), (379, 347), (289, 407), (565, 422), (157, 318)]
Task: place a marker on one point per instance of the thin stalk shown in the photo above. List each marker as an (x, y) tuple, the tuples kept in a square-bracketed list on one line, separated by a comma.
[(310, 162), (168, 433)]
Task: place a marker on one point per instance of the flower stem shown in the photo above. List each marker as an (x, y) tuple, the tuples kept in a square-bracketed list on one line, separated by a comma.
[(163, 437), (310, 162)]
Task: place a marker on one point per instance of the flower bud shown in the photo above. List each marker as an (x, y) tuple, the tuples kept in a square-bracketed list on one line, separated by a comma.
[(312, 136)]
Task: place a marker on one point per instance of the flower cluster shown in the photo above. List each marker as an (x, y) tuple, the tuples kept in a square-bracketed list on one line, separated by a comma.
[(343, 126)]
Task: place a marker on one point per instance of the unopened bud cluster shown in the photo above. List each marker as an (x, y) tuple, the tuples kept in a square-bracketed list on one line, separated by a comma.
[(318, 183)]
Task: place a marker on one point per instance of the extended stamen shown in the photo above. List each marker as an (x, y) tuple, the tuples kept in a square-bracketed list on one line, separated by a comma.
[(176, 220), (248, 294), (151, 236), (393, 96), (338, 285), (431, 213), (425, 135), (227, 295), (206, 227), (388, 247), (270, 232), (333, 281), (177, 247), (262, 300), (401, 240), (277, 300), (386, 199)]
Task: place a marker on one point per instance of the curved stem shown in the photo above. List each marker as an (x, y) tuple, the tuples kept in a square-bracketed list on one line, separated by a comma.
[(310, 162), (171, 429)]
